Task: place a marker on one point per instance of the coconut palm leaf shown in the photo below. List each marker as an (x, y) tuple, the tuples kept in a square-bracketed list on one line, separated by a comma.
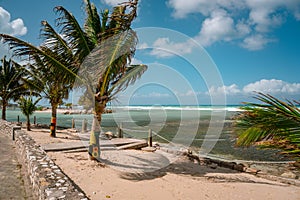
[(109, 58), (132, 73), (12, 84), (55, 41), (92, 24), (26, 51), (27, 105), (77, 39), (272, 120)]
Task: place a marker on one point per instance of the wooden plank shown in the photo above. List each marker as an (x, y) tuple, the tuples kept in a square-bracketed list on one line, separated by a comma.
[(135, 145), (64, 146), (116, 142)]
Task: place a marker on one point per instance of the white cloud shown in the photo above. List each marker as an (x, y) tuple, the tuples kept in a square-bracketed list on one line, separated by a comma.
[(152, 95), (164, 47), (218, 27), (228, 90), (112, 2), (15, 27), (135, 61), (255, 42), (246, 22), (182, 7), (273, 86)]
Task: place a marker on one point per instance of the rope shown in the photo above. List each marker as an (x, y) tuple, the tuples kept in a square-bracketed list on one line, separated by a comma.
[(170, 142), (132, 130)]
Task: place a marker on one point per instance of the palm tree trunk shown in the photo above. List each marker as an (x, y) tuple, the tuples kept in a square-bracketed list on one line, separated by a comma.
[(4, 104), (53, 121), (28, 123), (94, 145)]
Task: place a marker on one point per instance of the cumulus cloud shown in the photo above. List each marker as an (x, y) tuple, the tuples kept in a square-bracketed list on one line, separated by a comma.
[(164, 47), (219, 26), (14, 27), (272, 86), (227, 90), (246, 22), (255, 42)]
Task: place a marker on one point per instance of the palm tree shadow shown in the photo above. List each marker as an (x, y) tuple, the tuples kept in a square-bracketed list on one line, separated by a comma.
[(182, 167), (185, 167)]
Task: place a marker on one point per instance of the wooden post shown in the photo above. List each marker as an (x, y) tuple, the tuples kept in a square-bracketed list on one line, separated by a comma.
[(13, 131), (34, 120), (18, 119), (150, 138), (120, 131), (73, 123), (84, 125)]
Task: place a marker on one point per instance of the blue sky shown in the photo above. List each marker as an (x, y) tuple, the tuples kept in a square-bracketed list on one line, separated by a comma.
[(196, 50)]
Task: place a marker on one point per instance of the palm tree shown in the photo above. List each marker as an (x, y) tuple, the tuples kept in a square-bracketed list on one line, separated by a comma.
[(63, 52), (28, 106), (272, 123), (12, 84)]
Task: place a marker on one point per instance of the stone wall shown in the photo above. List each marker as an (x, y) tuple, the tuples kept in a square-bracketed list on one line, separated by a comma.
[(47, 179)]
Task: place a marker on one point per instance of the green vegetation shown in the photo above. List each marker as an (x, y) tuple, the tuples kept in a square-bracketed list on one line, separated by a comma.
[(12, 84), (273, 123), (28, 106), (105, 46)]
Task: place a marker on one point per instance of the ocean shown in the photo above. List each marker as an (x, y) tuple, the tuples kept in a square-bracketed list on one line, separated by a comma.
[(204, 129)]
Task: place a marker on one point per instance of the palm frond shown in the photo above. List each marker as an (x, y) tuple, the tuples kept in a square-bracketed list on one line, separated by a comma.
[(26, 51), (132, 73), (92, 24), (273, 120), (76, 37), (105, 58), (55, 41)]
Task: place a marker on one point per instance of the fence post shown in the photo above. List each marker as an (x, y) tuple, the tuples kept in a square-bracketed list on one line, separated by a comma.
[(150, 138), (84, 125), (13, 131), (34, 120), (18, 119), (73, 123), (120, 131)]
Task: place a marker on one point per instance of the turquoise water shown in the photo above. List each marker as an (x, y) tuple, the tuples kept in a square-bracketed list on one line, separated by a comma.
[(198, 127)]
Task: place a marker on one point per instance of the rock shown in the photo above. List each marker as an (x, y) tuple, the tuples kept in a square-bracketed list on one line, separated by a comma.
[(214, 166), (289, 175)]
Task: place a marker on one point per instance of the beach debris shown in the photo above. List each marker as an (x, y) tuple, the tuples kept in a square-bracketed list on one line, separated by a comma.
[(290, 175), (110, 135)]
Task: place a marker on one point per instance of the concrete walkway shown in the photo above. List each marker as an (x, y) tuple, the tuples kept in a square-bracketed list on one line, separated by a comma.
[(12, 182)]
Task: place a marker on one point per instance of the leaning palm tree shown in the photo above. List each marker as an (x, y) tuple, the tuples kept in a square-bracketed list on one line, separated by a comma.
[(106, 70), (273, 123), (12, 84), (64, 51), (28, 106)]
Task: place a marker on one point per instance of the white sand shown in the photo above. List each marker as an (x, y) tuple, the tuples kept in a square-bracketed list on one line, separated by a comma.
[(134, 175)]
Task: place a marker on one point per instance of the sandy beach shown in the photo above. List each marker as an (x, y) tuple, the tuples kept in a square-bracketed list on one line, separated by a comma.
[(135, 174)]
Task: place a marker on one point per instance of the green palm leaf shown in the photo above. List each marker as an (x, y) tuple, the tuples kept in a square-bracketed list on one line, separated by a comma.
[(76, 37), (273, 120)]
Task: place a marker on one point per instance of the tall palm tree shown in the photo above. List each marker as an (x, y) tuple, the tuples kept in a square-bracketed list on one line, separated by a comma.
[(64, 51), (272, 122), (28, 106), (12, 84)]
